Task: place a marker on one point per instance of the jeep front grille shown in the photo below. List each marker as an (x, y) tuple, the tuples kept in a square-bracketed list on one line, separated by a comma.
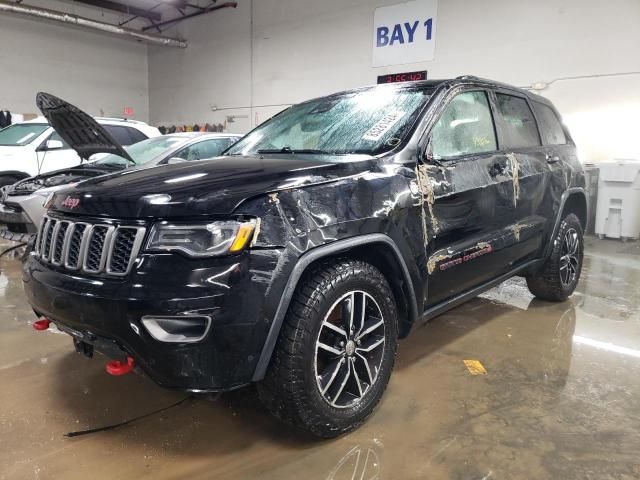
[(92, 248)]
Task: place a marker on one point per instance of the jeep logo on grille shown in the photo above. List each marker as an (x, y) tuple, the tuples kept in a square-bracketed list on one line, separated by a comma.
[(70, 202)]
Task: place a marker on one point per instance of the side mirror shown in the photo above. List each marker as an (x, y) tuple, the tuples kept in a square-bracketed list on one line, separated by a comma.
[(173, 160), (53, 145)]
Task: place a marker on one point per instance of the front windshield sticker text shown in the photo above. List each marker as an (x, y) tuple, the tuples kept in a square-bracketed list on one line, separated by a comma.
[(376, 132)]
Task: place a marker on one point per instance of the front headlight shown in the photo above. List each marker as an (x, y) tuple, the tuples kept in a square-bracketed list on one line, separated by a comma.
[(202, 240)]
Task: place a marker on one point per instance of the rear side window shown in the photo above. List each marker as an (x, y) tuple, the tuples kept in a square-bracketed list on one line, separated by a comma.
[(125, 135), (136, 135), (465, 127), (550, 126), (519, 125)]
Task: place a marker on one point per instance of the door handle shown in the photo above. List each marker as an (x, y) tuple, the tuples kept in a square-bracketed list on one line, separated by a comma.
[(552, 158)]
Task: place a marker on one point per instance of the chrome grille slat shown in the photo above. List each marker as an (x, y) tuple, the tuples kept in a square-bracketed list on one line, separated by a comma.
[(43, 234), (125, 240), (96, 251), (93, 248), (58, 242), (39, 236), (48, 238), (74, 248)]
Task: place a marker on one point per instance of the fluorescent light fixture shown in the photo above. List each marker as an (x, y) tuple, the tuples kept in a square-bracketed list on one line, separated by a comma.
[(610, 347)]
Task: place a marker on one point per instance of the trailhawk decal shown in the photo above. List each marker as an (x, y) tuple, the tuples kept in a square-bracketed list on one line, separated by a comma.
[(445, 262)]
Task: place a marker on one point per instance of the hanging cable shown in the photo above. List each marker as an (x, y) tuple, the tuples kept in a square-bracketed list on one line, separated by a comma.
[(10, 249), (126, 422), (542, 84)]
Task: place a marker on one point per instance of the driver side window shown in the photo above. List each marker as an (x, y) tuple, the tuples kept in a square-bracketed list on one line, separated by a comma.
[(464, 128)]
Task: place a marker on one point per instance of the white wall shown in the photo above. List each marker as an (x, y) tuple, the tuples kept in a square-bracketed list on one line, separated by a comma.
[(97, 72), (306, 48), (214, 70)]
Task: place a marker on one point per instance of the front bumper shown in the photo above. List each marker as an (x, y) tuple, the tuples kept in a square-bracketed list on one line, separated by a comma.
[(22, 213), (232, 290)]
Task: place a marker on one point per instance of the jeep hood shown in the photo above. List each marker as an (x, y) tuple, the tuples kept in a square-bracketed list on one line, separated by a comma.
[(77, 128), (209, 187)]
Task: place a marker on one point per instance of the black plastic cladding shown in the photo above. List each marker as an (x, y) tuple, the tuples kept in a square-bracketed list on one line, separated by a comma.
[(453, 227)]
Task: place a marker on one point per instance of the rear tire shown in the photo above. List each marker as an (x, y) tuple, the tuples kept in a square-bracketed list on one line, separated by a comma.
[(334, 356), (559, 276)]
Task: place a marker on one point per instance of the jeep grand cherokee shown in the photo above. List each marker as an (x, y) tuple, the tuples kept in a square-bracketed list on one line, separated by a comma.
[(299, 259)]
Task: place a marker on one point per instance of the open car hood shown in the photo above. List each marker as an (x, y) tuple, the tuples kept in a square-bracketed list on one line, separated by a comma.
[(77, 128), (61, 177)]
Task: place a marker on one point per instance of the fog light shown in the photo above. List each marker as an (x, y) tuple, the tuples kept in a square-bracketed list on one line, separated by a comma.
[(178, 329)]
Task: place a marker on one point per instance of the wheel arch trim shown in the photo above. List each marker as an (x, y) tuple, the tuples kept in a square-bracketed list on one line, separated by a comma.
[(563, 200), (300, 267)]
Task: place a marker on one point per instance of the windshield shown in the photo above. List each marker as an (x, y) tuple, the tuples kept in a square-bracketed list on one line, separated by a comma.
[(144, 151), (21, 134), (370, 121)]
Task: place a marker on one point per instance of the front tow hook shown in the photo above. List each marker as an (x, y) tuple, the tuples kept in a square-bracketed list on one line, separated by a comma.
[(42, 324), (116, 367)]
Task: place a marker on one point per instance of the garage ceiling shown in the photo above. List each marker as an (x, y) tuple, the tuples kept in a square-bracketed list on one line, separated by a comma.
[(159, 14), (142, 20)]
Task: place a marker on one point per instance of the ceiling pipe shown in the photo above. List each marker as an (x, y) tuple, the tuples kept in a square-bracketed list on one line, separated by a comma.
[(76, 20), (202, 11)]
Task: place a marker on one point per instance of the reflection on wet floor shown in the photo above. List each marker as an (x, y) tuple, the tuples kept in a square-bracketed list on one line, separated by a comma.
[(560, 400)]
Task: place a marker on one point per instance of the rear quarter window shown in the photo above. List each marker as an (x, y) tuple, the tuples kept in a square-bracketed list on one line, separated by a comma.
[(125, 135), (136, 135), (518, 127), (550, 127)]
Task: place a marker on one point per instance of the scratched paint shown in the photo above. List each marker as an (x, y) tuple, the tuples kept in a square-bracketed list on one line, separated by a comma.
[(515, 174), (435, 260), (274, 197), (424, 181), (516, 231)]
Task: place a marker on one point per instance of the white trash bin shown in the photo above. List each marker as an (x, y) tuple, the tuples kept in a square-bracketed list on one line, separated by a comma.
[(618, 207)]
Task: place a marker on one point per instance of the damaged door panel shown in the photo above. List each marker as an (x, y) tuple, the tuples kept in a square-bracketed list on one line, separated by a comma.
[(519, 136), (469, 198)]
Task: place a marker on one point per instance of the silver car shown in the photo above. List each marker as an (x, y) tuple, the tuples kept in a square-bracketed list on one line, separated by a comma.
[(22, 204)]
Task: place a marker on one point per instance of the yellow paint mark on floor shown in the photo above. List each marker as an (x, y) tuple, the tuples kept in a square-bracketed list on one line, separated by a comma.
[(475, 367)]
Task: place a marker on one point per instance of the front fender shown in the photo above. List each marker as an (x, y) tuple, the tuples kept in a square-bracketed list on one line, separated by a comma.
[(296, 272)]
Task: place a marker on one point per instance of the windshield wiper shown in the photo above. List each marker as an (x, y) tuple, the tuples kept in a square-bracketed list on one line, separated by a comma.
[(289, 150)]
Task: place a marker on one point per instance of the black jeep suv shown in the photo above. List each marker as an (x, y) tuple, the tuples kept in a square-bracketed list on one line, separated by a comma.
[(299, 258)]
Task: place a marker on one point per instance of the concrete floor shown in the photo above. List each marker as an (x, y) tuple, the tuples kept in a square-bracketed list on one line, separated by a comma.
[(561, 399)]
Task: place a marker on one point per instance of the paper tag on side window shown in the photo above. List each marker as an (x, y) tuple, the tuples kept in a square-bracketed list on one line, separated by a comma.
[(383, 125)]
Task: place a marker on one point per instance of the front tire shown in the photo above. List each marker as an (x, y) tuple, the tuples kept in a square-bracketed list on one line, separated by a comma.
[(559, 276), (336, 350)]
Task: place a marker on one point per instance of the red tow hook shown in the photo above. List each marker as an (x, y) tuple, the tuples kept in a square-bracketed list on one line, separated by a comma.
[(41, 324), (116, 367)]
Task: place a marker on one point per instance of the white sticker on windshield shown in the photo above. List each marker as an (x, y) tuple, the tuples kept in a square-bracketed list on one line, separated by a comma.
[(376, 132), (25, 138)]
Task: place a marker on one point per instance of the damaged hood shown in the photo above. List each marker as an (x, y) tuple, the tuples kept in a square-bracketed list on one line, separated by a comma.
[(77, 128), (210, 187), (62, 177)]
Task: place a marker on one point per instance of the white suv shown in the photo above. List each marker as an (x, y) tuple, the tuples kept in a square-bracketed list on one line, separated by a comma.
[(33, 147)]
